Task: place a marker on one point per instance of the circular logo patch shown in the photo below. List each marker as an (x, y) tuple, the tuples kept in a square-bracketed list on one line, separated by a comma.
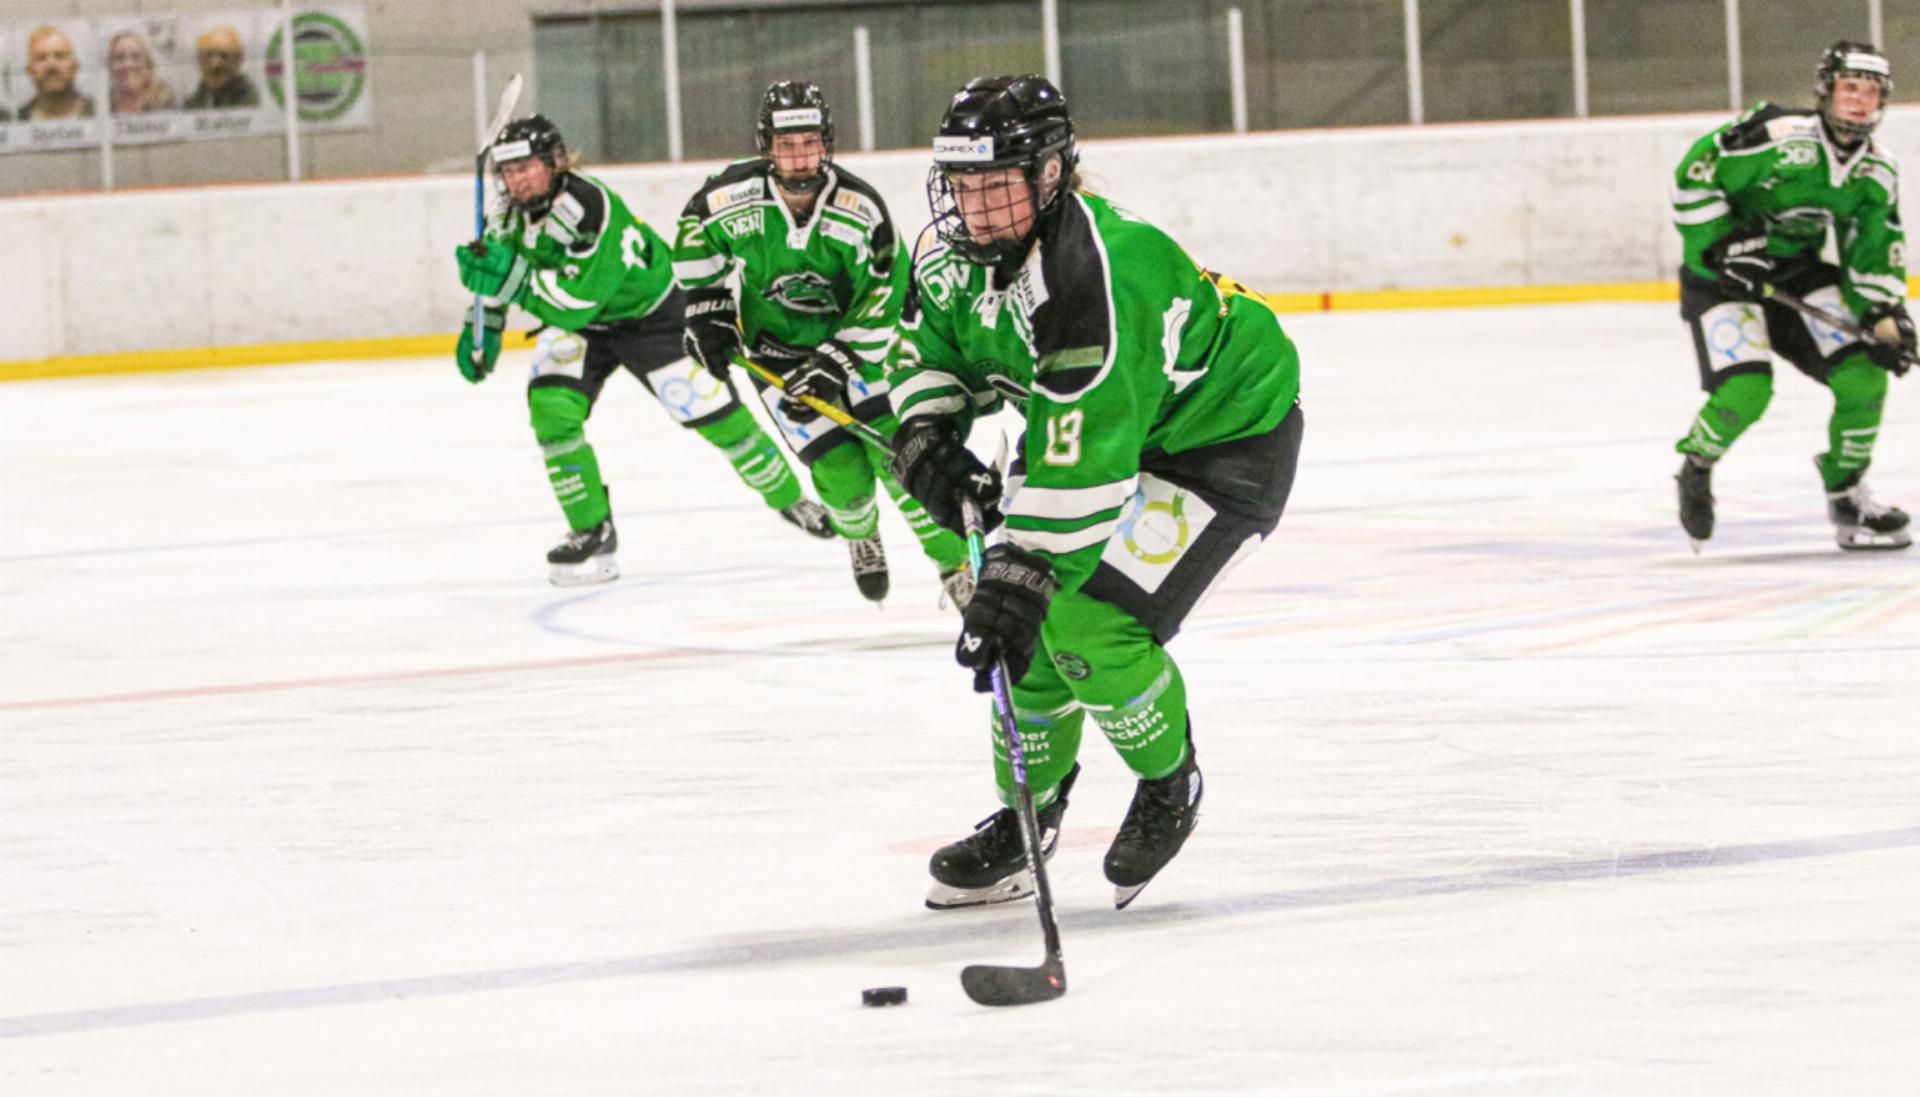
[(330, 66), (1072, 666)]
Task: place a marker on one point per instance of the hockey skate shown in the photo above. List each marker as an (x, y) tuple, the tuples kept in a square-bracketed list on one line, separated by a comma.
[(1862, 523), (956, 588), (1161, 816), (990, 865), (869, 559), (1696, 499), (810, 517), (585, 556)]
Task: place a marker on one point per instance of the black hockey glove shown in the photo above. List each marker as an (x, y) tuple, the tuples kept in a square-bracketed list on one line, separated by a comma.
[(1742, 262), (713, 329), (934, 466), (1003, 621), (1896, 354), (822, 376)]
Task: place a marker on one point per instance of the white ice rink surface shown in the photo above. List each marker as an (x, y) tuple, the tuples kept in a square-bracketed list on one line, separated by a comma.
[(310, 784)]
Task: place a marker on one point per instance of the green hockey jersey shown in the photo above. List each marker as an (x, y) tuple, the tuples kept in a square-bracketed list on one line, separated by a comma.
[(1776, 170), (1113, 344), (840, 275), (589, 260)]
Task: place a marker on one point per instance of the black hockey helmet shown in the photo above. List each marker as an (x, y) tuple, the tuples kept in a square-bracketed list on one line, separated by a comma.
[(1851, 59), (994, 123), (532, 136), (796, 106)]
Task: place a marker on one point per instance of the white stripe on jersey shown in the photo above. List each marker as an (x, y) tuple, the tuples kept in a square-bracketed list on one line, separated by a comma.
[(1069, 504)]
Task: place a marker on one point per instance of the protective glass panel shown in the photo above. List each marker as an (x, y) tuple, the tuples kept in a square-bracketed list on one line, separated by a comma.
[(1780, 44), (1483, 59), (1325, 63), (1652, 58), (569, 89), (1144, 66)]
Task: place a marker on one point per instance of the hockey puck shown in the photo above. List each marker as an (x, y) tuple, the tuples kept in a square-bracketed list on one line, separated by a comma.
[(884, 996)]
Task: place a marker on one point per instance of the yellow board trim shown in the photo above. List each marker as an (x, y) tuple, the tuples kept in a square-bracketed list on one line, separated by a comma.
[(267, 354), (256, 354)]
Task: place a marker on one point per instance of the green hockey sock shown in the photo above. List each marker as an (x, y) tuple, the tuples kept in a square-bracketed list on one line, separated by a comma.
[(940, 545), (559, 416), (1149, 729), (844, 482), (1859, 397), (1736, 405), (1049, 720), (754, 457), (575, 475)]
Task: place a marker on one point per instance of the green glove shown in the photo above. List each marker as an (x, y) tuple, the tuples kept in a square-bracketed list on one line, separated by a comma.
[(476, 370), (491, 269)]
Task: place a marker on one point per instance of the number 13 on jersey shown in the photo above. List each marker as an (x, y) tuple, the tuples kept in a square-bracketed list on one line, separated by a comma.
[(1063, 437)]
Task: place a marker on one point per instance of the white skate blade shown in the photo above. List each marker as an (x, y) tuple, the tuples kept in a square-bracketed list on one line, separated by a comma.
[(1124, 895), (1859, 539), (1017, 886), (594, 569), (1695, 542)]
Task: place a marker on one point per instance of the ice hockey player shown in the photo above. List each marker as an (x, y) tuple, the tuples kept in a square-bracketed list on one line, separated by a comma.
[(821, 278), (567, 250), (1162, 432), (1754, 201)]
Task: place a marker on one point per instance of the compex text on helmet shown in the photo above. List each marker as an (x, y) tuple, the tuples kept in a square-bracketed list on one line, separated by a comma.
[(795, 106), (532, 137), (997, 123), (1856, 59)]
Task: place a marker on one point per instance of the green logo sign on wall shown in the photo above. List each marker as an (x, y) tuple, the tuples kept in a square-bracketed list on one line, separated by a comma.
[(330, 62)]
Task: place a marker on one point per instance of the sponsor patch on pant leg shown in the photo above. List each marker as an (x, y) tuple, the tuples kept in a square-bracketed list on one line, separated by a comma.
[(688, 391)]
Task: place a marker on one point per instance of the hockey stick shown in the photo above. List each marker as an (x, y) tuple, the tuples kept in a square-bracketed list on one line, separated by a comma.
[(995, 984), (508, 98), (1841, 324), (839, 416)]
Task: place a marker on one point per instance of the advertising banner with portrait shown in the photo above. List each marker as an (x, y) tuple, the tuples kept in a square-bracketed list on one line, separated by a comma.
[(51, 85), (180, 77)]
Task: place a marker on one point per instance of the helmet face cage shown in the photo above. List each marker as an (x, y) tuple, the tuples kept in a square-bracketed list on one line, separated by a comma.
[(1851, 59), (530, 138), (793, 106), (952, 228), (994, 124)]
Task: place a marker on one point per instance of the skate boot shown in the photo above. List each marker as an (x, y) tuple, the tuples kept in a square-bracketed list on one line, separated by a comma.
[(956, 588), (1696, 499), (810, 517), (1860, 522), (1163, 813), (869, 558), (990, 865), (585, 556)]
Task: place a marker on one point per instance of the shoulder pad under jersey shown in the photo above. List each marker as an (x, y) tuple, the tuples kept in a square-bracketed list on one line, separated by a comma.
[(1063, 288), (738, 184), (1765, 125), (857, 197), (579, 211)]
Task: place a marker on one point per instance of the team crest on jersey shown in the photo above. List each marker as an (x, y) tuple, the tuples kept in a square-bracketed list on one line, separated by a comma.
[(805, 291), (739, 193)]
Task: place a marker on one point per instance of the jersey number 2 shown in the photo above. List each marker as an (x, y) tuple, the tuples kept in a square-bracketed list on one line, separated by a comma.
[(1063, 437)]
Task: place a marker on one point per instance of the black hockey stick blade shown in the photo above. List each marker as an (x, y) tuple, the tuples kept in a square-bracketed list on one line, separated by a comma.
[(994, 985)]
